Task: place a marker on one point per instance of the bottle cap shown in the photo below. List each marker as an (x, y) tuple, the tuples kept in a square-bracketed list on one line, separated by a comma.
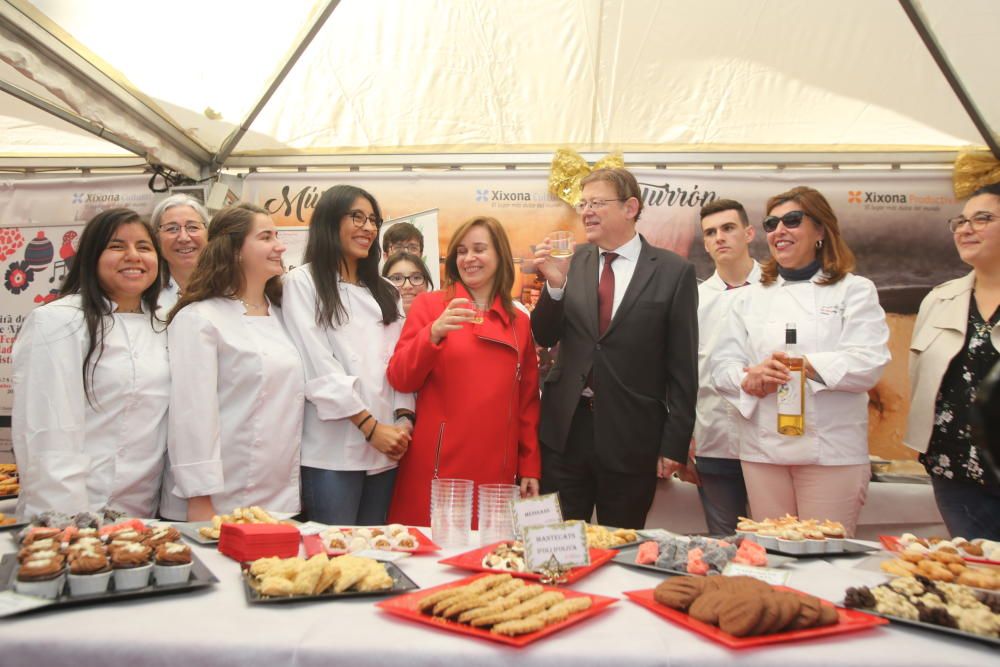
[(790, 334)]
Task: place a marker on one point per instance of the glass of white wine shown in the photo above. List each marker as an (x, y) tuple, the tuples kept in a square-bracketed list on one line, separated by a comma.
[(561, 243)]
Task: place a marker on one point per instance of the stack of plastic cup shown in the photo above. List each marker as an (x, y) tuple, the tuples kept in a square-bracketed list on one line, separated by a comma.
[(496, 522), (451, 512)]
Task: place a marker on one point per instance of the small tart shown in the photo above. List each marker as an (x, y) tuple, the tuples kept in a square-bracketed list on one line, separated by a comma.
[(173, 553), (40, 569), (130, 554), (89, 562)]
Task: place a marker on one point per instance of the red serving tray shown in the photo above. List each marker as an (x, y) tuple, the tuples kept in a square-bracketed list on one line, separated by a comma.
[(891, 543), (405, 606), (314, 544), (849, 621), (473, 560)]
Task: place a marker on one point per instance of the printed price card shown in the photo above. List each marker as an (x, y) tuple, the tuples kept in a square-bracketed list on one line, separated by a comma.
[(766, 574), (537, 511), (563, 545)]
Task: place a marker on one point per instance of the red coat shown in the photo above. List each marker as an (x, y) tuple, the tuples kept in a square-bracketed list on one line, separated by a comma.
[(480, 385)]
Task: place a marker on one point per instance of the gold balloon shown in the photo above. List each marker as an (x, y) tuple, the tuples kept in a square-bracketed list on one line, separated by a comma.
[(973, 171), (569, 168)]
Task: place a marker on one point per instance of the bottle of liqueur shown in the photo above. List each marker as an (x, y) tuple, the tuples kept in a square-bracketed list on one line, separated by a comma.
[(792, 394)]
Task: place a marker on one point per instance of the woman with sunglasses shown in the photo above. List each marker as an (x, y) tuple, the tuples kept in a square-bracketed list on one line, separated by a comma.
[(345, 320), (236, 398), (91, 379), (409, 275), (955, 343), (843, 337)]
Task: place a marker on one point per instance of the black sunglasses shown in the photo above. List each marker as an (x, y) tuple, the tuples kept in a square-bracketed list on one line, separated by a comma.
[(790, 220)]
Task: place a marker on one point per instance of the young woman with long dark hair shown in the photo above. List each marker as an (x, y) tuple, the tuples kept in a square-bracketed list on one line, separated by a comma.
[(345, 320), (91, 379)]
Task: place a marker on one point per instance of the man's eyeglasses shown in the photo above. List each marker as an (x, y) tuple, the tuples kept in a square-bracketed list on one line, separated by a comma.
[(595, 204), (359, 219), (173, 229), (397, 279), (412, 248), (790, 220), (977, 222)]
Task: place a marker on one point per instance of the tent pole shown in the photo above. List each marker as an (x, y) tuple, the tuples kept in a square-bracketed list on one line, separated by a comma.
[(234, 138), (920, 25)]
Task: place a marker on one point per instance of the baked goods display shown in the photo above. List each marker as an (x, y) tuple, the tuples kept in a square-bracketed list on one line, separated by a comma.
[(918, 599), (699, 555), (506, 556), (940, 565), (743, 606), (792, 535), (6, 520), (601, 537), (52, 524), (978, 548), (394, 537), (319, 575), (503, 605), (9, 481), (252, 514)]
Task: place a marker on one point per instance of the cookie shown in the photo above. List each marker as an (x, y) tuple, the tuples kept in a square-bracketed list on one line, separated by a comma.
[(741, 613), (769, 616), (744, 584), (827, 615), (705, 608), (679, 592), (808, 613), (788, 609)]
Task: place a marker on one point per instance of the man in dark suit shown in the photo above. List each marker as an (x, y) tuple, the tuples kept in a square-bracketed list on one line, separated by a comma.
[(618, 406)]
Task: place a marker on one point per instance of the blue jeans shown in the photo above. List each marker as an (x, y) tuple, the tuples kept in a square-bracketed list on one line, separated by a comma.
[(969, 510), (723, 493), (346, 497)]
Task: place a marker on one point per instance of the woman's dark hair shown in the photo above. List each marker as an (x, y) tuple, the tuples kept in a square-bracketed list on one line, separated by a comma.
[(218, 272), (326, 259), (83, 279), (412, 259)]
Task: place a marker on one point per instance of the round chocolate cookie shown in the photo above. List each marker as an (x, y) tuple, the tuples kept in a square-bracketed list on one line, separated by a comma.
[(808, 613), (788, 608), (706, 607), (678, 592), (827, 615), (769, 617), (744, 584), (740, 614)]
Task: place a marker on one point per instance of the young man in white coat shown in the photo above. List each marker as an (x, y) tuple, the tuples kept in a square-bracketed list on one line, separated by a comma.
[(727, 234)]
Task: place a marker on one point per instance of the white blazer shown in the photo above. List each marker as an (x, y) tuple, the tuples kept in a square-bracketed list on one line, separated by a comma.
[(236, 405), (718, 424), (345, 373), (842, 330), (74, 456)]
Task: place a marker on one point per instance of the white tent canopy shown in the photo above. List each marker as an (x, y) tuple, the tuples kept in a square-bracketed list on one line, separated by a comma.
[(196, 85)]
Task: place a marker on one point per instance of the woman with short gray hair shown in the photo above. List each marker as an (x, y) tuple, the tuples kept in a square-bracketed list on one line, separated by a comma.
[(181, 223)]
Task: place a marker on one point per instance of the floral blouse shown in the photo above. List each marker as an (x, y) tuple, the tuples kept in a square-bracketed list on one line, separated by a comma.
[(951, 454)]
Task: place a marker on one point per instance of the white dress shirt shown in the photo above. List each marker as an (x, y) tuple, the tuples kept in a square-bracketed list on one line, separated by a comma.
[(236, 405), (718, 424), (841, 329), (345, 369), (75, 456)]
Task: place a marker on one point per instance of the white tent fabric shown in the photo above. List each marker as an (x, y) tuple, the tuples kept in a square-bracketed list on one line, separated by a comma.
[(174, 82)]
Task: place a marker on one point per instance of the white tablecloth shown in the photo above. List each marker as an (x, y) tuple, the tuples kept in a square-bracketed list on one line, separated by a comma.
[(218, 627)]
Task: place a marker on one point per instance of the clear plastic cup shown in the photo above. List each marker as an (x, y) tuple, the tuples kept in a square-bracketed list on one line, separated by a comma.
[(451, 511), (496, 522)]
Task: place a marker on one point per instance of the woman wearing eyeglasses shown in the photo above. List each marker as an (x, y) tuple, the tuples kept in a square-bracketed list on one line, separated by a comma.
[(409, 275), (345, 320), (180, 223), (955, 343), (236, 395), (842, 335), (476, 380)]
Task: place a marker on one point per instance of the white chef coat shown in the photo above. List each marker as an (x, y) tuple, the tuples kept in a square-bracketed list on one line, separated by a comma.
[(236, 404), (841, 329), (168, 298), (718, 424), (74, 456), (345, 373)]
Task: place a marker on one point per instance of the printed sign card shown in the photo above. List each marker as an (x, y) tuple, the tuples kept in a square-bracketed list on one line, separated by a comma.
[(556, 546), (537, 511)]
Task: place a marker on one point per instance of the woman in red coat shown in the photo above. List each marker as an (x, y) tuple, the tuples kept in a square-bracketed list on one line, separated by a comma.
[(476, 383)]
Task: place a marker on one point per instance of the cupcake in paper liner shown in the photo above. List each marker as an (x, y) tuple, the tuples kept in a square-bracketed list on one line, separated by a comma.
[(89, 572), (161, 535), (132, 566), (41, 577), (172, 564)]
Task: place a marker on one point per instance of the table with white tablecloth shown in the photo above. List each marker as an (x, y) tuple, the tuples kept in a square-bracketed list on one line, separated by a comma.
[(217, 626)]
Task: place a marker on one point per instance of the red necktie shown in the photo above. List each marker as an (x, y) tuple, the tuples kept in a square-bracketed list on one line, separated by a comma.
[(605, 293)]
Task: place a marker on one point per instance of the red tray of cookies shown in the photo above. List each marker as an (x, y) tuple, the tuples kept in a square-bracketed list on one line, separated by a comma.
[(892, 543), (406, 606), (848, 620), (313, 544), (473, 561)]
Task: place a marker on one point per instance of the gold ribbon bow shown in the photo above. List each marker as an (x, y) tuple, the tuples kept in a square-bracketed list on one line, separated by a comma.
[(569, 168), (972, 171)]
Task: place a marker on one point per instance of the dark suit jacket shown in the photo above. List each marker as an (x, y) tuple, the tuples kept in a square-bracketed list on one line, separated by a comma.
[(645, 366)]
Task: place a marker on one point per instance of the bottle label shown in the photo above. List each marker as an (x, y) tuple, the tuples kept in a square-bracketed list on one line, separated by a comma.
[(790, 395)]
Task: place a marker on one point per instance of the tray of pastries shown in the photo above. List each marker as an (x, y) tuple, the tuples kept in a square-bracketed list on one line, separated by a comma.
[(742, 612), (277, 580), (337, 541), (10, 485), (935, 606), (497, 607), (680, 554), (943, 566), (801, 538), (208, 532), (508, 556), (973, 551)]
